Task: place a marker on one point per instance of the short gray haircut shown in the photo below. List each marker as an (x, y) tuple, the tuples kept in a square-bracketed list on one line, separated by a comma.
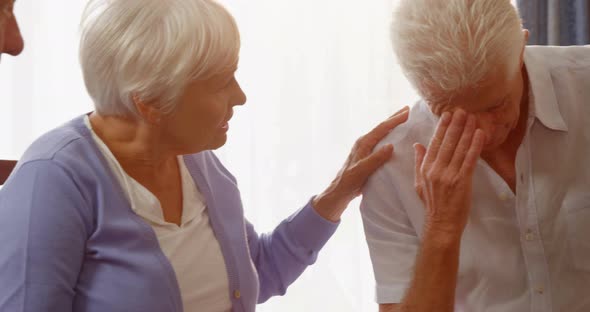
[(445, 46), (152, 49)]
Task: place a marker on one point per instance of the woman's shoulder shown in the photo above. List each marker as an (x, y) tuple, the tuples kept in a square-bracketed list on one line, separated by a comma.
[(65, 139), (67, 149)]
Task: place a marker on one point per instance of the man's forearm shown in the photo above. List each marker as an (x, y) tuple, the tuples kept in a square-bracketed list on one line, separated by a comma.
[(435, 275)]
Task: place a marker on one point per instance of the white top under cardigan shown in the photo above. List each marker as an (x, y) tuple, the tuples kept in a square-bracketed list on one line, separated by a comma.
[(203, 287)]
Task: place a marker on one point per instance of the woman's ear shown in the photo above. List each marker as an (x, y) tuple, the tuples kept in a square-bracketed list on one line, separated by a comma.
[(147, 112)]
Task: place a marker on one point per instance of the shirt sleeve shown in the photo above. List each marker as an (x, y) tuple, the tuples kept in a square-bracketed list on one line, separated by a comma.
[(282, 255), (43, 237), (392, 240)]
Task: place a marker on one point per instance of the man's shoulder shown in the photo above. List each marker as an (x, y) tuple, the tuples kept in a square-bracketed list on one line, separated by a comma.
[(389, 194), (561, 56), (418, 129)]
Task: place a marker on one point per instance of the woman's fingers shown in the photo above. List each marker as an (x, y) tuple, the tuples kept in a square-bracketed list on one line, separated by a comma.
[(475, 149), (368, 165), (401, 111), (363, 161), (379, 132), (463, 145)]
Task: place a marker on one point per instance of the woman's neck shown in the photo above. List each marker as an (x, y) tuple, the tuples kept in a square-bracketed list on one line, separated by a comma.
[(138, 147)]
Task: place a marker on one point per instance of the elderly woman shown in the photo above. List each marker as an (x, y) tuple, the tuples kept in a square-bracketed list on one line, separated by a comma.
[(127, 208)]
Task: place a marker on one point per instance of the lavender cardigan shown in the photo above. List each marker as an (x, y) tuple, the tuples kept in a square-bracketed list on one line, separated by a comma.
[(69, 240)]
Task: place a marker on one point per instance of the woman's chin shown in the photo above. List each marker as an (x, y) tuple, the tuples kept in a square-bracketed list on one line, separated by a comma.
[(219, 141)]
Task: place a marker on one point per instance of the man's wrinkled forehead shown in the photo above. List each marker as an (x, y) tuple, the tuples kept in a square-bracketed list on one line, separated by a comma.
[(441, 101), (440, 105), (473, 101), (479, 97)]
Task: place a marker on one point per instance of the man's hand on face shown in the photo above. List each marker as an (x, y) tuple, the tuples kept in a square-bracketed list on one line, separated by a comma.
[(444, 171)]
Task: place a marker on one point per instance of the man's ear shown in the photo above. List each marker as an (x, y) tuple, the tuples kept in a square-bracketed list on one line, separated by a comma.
[(526, 34)]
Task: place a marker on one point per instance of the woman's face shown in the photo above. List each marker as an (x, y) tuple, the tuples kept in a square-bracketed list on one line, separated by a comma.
[(200, 119)]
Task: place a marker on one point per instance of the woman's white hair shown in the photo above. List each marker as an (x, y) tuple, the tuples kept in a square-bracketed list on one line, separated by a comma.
[(151, 49), (445, 46)]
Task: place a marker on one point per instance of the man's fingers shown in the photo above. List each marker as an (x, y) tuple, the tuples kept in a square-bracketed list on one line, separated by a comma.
[(473, 154), (419, 153), (452, 137), (463, 144), (438, 137)]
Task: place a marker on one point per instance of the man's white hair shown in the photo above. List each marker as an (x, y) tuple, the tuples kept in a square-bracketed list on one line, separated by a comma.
[(445, 46), (152, 49)]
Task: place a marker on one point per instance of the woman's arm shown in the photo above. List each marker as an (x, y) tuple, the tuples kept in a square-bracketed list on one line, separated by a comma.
[(43, 234), (282, 255)]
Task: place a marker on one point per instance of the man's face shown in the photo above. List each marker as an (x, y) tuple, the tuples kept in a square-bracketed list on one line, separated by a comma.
[(11, 41), (496, 104)]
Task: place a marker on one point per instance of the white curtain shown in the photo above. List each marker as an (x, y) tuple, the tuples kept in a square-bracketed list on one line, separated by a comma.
[(318, 74)]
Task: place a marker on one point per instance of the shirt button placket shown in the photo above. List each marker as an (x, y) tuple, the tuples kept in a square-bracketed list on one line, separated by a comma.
[(529, 236)]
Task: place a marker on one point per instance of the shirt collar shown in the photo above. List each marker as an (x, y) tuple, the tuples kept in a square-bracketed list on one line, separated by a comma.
[(544, 102)]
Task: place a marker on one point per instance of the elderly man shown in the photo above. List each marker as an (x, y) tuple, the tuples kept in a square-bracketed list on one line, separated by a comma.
[(11, 41), (518, 237)]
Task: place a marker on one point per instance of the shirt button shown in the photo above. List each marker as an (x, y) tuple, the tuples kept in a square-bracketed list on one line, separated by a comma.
[(529, 236), (540, 290), (503, 196), (521, 178), (237, 294)]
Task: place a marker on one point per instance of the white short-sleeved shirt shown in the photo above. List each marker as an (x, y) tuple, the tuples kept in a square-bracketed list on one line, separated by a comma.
[(523, 252), (191, 248)]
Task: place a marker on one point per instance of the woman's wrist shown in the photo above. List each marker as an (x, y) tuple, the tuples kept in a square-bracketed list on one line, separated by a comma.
[(330, 205)]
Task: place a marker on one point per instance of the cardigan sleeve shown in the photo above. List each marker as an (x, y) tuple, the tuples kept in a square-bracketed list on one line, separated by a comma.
[(44, 231), (281, 256)]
